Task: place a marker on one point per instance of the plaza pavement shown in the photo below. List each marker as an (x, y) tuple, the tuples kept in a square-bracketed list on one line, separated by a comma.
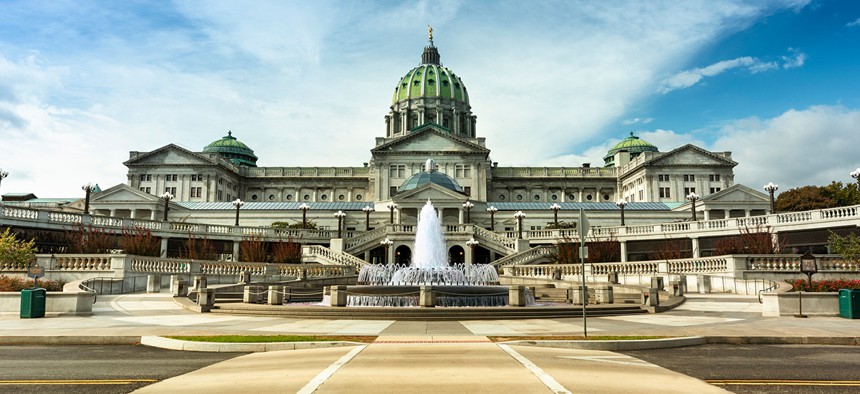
[(428, 356)]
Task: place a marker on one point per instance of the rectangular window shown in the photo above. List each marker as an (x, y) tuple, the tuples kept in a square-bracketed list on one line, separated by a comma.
[(663, 178), (641, 195), (146, 190), (688, 190), (397, 171), (536, 228), (196, 177), (463, 171), (392, 191), (142, 177), (467, 190), (714, 190), (171, 190), (219, 194), (664, 192), (689, 178)]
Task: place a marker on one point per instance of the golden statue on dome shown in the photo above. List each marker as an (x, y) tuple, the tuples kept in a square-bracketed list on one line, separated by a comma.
[(430, 32)]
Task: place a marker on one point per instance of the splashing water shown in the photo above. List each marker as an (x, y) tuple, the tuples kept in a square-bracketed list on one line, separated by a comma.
[(429, 241)]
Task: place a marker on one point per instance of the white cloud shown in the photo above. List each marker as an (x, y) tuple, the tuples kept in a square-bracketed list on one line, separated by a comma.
[(813, 146), (688, 78), (628, 122), (796, 60), (853, 23)]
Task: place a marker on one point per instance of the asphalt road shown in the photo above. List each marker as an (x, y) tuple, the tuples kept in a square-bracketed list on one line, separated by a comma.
[(783, 369), (88, 369)]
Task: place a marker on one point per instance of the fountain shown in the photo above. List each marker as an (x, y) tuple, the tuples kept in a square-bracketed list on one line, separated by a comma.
[(458, 285)]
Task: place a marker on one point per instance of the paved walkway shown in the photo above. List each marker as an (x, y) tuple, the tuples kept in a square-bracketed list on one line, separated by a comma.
[(438, 357)]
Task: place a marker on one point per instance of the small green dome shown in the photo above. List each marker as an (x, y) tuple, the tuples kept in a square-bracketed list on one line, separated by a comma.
[(430, 175), (631, 144), (430, 79), (234, 150)]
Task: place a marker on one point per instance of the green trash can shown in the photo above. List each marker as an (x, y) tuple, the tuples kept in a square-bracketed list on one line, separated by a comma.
[(849, 303), (33, 303)]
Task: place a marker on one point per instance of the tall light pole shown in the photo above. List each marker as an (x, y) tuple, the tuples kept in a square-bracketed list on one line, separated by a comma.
[(856, 175), (520, 216), (692, 197), (386, 243), (621, 204), (339, 215), (468, 207), (304, 207), (391, 207), (555, 207), (88, 189), (472, 243), (3, 175), (771, 188), (166, 197), (492, 210), (238, 204), (367, 210)]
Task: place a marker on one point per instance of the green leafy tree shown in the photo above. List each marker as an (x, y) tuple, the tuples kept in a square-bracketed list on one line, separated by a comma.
[(848, 246), (843, 195), (13, 250), (804, 199)]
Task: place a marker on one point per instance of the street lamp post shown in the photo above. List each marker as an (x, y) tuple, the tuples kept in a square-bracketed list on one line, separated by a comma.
[(520, 216), (856, 175), (555, 207), (468, 207), (166, 197), (367, 210), (339, 215), (3, 175), (492, 210), (472, 243), (692, 197), (238, 204), (304, 207), (621, 204), (391, 208), (771, 188), (386, 243), (88, 188)]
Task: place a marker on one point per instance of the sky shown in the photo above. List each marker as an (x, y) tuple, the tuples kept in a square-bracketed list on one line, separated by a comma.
[(308, 83)]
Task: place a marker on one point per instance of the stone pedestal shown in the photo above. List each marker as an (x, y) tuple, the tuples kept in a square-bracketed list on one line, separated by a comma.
[(180, 288), (173, 280), (426, 298), (574, 295), (199, 282), (651, 297), (153, 283), (338, 295), (612, 277), (657, 282), (276, 295), (517, 296), (252, 294), (206, 299), (703, 284), (245, 277), (603, 294)]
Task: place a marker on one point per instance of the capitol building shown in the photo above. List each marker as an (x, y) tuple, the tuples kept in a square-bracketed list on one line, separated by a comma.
[(430, 148)]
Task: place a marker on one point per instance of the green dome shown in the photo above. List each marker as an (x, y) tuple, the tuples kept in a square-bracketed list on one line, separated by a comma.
[(631, 144), (431, 80), (234, 150), (430, 175)]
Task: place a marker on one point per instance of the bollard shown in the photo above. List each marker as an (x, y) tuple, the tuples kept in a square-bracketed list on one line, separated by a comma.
[(199, 282), (613, 277), (245, 277), (276, 295), (180, 288), (574, 295), (517, 295), (682, 279), (653, 297), (657, 282), (426, 298), (173, 280), (153, 283), (206, 299), (603, 294), (252, 294), (338, 295)]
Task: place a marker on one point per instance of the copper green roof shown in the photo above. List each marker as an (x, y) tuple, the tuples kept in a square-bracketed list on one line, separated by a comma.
[(430, 175), (233, 150), (430, 79), (631, 144)]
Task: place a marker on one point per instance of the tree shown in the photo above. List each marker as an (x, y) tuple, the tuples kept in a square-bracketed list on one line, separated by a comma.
[(848, 246), (843, 195), (13, 250), (804, 198)]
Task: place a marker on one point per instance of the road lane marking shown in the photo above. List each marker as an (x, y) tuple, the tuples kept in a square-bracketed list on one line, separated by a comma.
[(612, 359), (783, 382), (318, 380), (74, 381), (544, 377)]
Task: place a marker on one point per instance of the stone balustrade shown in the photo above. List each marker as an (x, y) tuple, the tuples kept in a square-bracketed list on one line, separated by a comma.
[(323, 255), (526, 257)]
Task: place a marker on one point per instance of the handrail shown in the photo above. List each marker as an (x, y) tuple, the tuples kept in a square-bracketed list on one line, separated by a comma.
[(84, 287)]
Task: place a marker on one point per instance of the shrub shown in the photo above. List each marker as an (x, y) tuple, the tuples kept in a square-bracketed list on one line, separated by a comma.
[(828, 285), (253, 249), (289, 252), (13, 250), (751, 241), (599, 250), (198, 248), (14, 283), (848, 246), (140, 241), (310, 225), (88, 239), (673, 249)]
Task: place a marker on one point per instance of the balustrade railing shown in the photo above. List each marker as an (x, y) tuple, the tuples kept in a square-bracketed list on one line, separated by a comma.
[(634, 268), (327, 256), (543, 271), (525, 257), (505, 242)]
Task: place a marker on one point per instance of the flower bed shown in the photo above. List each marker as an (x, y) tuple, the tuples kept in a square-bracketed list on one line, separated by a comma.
[(829, 285), (12, 283)]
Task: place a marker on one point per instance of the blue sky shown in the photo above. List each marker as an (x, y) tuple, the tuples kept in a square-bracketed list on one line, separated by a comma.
[(309, 83)]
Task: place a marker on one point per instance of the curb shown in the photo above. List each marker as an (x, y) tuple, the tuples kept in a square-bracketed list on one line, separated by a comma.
[(219, 347), (68, 340), (634, 344)]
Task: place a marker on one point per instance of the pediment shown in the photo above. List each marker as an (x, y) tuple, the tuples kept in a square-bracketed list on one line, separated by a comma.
[(430, 192), (123, 193), (737, 194), (170, 155), (691, 156), (430, 140)]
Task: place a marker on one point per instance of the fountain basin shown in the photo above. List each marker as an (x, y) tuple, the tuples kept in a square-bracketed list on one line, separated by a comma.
[(423, 295)]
